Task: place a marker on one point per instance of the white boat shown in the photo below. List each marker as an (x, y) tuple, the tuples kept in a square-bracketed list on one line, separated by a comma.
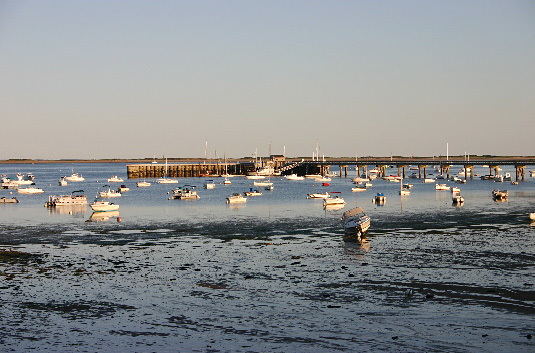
[(8, 183), (441, 187), (22, 180), (110, 193), (62, 181), (336, 200), (236, 198), (67, 200), (115, 179), (324, 195), (164, 179), (142, 184), (185, 193), (360, 180), (209, 184), (313, 176), (404, 189), (532, 216), (355, 221), (255, 176), (262, 183), (294, 177), (167, 181), (359, 188), (428, 180), (75, 177), (404, 192), (252, 192), (123, 188), (455, 190), (103, 206), (227, 182), (30, 190), (322, 179)]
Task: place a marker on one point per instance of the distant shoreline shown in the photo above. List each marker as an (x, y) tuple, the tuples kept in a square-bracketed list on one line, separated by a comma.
[(438, 159)]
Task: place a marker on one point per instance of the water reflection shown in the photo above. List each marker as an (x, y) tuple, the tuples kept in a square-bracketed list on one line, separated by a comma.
[(68, 210), (104, 216)]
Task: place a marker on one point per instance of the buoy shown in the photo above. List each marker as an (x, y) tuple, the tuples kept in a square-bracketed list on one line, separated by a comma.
[(119, 219)]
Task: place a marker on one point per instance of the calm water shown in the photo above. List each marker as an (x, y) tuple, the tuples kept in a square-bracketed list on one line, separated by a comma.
[(271, 275)]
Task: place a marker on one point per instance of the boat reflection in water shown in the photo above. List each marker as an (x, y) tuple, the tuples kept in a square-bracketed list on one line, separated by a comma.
[(104, 216), (68, 210)]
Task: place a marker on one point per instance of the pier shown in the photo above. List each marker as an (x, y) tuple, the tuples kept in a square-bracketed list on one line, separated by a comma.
[(422, 165), (186, 170), (308, 166)]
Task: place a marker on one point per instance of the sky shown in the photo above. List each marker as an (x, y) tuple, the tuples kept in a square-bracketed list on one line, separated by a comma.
[(138, 79)]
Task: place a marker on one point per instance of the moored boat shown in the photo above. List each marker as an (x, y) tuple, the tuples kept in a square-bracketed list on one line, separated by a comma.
[(142, 184), (104, 206), (294, 177), (236, 198), (185, 193), (6, 200), (115, 179), (75, 177), (252, 192), (67, 200), (441, 187), (30, 190), (110, 193), (324, 195)]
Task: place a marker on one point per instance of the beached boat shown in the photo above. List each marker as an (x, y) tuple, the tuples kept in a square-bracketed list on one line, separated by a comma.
[(324, 195), (185, 193), (75, 177), (441, 187), (115, 179), (355, 221), (142, 184), (6, 200), (30, 190), (104, 206), (236, 198), (67, 200), (252, 192)]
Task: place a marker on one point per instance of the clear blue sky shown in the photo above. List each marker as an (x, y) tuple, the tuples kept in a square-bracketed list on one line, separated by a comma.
[(128, 79)]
